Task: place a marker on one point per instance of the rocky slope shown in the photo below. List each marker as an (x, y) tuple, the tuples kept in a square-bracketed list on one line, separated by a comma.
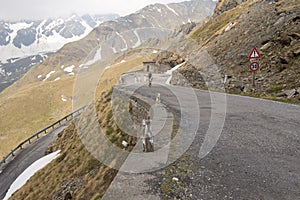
[(227, 39), (47, 81)]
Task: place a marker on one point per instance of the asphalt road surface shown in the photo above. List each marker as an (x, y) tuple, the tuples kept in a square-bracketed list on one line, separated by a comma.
[(242, 148), (255, 156), (25, 158)]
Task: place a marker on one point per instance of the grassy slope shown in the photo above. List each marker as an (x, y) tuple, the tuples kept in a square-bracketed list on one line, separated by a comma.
[(230, 49), (31, 104), (76, 170), (217, 25), (30, 110)]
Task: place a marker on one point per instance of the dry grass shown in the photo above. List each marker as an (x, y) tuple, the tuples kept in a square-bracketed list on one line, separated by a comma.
[(30, 110), (218, 24), (30, 107), (76, 170), (111, 75), (290, 5)]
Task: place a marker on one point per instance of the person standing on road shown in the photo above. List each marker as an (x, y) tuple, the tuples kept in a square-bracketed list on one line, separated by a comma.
[(150, 78)]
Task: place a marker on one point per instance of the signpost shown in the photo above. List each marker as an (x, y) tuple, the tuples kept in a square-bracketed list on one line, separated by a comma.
[(254, 54), (254, 66)]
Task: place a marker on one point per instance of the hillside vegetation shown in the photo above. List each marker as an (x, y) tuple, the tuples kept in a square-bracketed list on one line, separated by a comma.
[(228, 37), (76, 172), (45, 93), (272, 26), (38, 105)]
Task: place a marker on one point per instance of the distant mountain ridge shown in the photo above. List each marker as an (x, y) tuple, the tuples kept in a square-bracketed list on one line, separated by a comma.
[(125, 33), (26, 43), (115, 35), (25, 38)]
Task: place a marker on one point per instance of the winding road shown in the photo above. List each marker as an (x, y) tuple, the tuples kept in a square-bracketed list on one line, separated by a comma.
[(25, 158), (243, 148), (233, 147)]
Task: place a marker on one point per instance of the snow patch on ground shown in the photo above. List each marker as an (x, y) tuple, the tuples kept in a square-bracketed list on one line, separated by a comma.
[(2, 71), (169, 72), (7, 38), (63, 98), (48, 75), (29, 172), (96, 58), (40, 76), (13, 60), (122, 61), (139, 42), (123, 39), (57, 79), (158, 9), (69, 69), (155, 52), (49, 43), (230, 26), (174, 68), (171, 9)]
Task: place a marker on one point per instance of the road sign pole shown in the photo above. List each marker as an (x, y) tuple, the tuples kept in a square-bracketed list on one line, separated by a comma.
[(253, 79), (254, 63)]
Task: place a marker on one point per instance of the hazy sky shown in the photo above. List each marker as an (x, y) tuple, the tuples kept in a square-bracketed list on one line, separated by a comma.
[(40, 9)]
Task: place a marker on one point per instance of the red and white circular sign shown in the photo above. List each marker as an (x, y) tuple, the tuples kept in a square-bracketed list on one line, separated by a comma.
[(254, 66)]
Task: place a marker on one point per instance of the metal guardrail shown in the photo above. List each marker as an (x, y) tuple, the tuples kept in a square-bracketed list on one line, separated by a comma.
[(44, 131)]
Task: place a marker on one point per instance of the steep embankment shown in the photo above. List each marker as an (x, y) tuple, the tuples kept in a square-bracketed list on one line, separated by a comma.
[(76, 173), (228, 38), (45, 93)]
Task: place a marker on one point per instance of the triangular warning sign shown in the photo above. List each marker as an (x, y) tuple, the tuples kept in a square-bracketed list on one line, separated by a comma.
[(254, 54)]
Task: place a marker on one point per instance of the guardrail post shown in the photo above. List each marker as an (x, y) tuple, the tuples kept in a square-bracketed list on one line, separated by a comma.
[(72, 116)]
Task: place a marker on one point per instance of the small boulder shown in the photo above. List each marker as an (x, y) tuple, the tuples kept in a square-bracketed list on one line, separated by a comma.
[(267, 46), (280, 21), (284, 60), (125, 144), (296, 52), (285, 39), (292, 93), (175, 179)]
